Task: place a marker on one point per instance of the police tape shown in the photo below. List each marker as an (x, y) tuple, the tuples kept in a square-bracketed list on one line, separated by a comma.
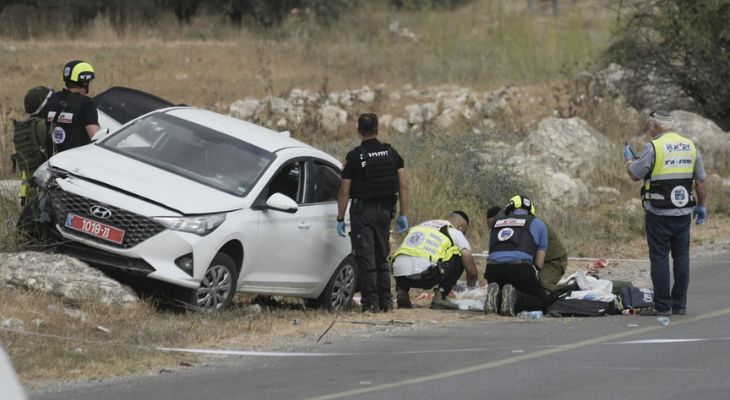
[(485, 255), (705, 260)]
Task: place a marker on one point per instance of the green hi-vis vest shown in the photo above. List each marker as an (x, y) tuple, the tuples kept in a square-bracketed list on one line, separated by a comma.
[(670, 181), (429, 240)]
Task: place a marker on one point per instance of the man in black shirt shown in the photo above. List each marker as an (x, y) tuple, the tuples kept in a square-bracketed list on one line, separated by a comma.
[(70, 113), (374, 178)]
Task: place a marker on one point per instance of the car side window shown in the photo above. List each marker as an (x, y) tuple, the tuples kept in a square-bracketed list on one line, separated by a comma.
[(288, 181), (323, 183)]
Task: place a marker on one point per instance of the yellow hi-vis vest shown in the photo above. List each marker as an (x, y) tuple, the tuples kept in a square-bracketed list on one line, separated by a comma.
[(670, 181), (429, 240)]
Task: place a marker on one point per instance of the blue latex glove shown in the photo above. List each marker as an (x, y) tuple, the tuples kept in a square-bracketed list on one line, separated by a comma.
[(401, 224), (628, 152), (341, 228), (700, 215)]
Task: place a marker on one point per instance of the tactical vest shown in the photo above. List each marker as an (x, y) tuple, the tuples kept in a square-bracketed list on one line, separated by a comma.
[(669, 184), (381, 175), (66, 129), (512, 233), (430, 240), (29, 138)]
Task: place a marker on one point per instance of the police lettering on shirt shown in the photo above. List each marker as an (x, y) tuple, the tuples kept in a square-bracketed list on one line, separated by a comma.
[(363, 163)]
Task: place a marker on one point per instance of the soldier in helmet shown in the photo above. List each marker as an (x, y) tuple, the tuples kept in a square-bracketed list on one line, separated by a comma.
[(71, 114)]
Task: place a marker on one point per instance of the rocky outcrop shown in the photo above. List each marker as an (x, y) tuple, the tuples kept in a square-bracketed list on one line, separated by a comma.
[(645, 91), (713, 143), (61, 276), (559, 159), (442, 108)]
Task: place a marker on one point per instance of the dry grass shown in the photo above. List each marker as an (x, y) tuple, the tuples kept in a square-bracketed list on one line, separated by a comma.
[(59, 343), (493, 44)]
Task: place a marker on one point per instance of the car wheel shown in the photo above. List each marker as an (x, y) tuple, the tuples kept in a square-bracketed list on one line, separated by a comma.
[(337, 295), (218, 285)]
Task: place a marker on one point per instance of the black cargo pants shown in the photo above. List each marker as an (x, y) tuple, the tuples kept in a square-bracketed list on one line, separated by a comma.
[(370, 238)]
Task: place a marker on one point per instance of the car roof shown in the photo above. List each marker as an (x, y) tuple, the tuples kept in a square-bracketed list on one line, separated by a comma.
[(257, 135)]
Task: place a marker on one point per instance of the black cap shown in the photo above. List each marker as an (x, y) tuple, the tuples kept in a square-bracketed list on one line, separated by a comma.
[(367, 124), (493, 211)]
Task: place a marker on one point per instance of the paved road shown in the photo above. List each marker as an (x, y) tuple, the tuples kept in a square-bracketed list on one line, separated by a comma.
[(617, 357)]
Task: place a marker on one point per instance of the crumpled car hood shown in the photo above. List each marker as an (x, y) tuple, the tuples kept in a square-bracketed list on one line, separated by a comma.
[(115, 170)]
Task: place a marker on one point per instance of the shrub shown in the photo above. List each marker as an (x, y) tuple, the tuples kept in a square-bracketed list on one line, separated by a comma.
[(685, 42)]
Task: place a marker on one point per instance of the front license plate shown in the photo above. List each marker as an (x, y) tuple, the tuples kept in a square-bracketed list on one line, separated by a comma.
[(94, 228)]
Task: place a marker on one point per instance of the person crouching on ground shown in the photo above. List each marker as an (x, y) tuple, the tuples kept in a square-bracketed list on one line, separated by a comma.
[(517, 246), (556, 258), (434, 254)]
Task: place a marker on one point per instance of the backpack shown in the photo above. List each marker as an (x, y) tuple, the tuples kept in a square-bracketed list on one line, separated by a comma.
[(29, 138), (581, 308), (638, 299)]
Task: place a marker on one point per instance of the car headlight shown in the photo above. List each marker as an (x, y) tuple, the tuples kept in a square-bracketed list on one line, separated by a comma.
[(199, 225), (43, 175)]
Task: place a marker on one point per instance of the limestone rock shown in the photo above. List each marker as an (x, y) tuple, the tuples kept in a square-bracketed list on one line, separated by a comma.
[(13, 324), (282, 108), (712, 142), (332, 118), (399, 125), (62, 276), (575, 145), (247, 109)]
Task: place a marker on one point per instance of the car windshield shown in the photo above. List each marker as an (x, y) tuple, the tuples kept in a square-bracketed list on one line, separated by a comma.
[(192, 151)]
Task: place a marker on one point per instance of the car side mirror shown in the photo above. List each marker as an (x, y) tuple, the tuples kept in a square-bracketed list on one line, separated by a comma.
[(280, 202)]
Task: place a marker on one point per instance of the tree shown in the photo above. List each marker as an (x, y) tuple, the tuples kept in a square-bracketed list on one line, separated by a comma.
[(684, 41)]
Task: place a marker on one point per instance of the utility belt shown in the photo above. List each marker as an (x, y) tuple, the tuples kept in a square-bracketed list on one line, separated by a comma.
[(358, 205), (435, 270), (518, 262)]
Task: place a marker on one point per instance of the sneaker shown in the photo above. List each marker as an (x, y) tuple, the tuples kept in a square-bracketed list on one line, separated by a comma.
[(681, 311), (509, 301), (440, 303), (403, 299), (491, 304)]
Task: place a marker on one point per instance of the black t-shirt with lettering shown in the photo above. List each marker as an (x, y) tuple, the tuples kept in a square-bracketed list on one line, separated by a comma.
[(353, 168), (79, 109)]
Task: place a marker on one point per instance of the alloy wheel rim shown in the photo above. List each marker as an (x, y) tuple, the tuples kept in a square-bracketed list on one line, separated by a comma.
[(214, 288), (343, 286)]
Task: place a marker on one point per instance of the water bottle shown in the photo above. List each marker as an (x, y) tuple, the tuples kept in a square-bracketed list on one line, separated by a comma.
[(530, 314), (663, 321)]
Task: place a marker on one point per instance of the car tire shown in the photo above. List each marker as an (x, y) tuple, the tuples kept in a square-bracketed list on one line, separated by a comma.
[(218, 285), (337, 295)]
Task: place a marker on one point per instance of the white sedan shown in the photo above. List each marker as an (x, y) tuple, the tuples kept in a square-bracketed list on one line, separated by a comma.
[(208, 203)]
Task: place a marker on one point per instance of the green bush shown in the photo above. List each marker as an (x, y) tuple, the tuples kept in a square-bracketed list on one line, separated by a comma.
[(685, 42)]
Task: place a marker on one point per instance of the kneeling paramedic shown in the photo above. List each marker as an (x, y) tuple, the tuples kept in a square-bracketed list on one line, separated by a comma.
[(517, 246), (434, 253)]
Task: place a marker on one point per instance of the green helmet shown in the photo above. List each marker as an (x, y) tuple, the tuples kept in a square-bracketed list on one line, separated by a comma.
[(78, 73), (36, 98)]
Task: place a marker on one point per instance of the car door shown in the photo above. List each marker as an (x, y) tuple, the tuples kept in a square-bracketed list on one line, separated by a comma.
[(321, 188), (289, 246)]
